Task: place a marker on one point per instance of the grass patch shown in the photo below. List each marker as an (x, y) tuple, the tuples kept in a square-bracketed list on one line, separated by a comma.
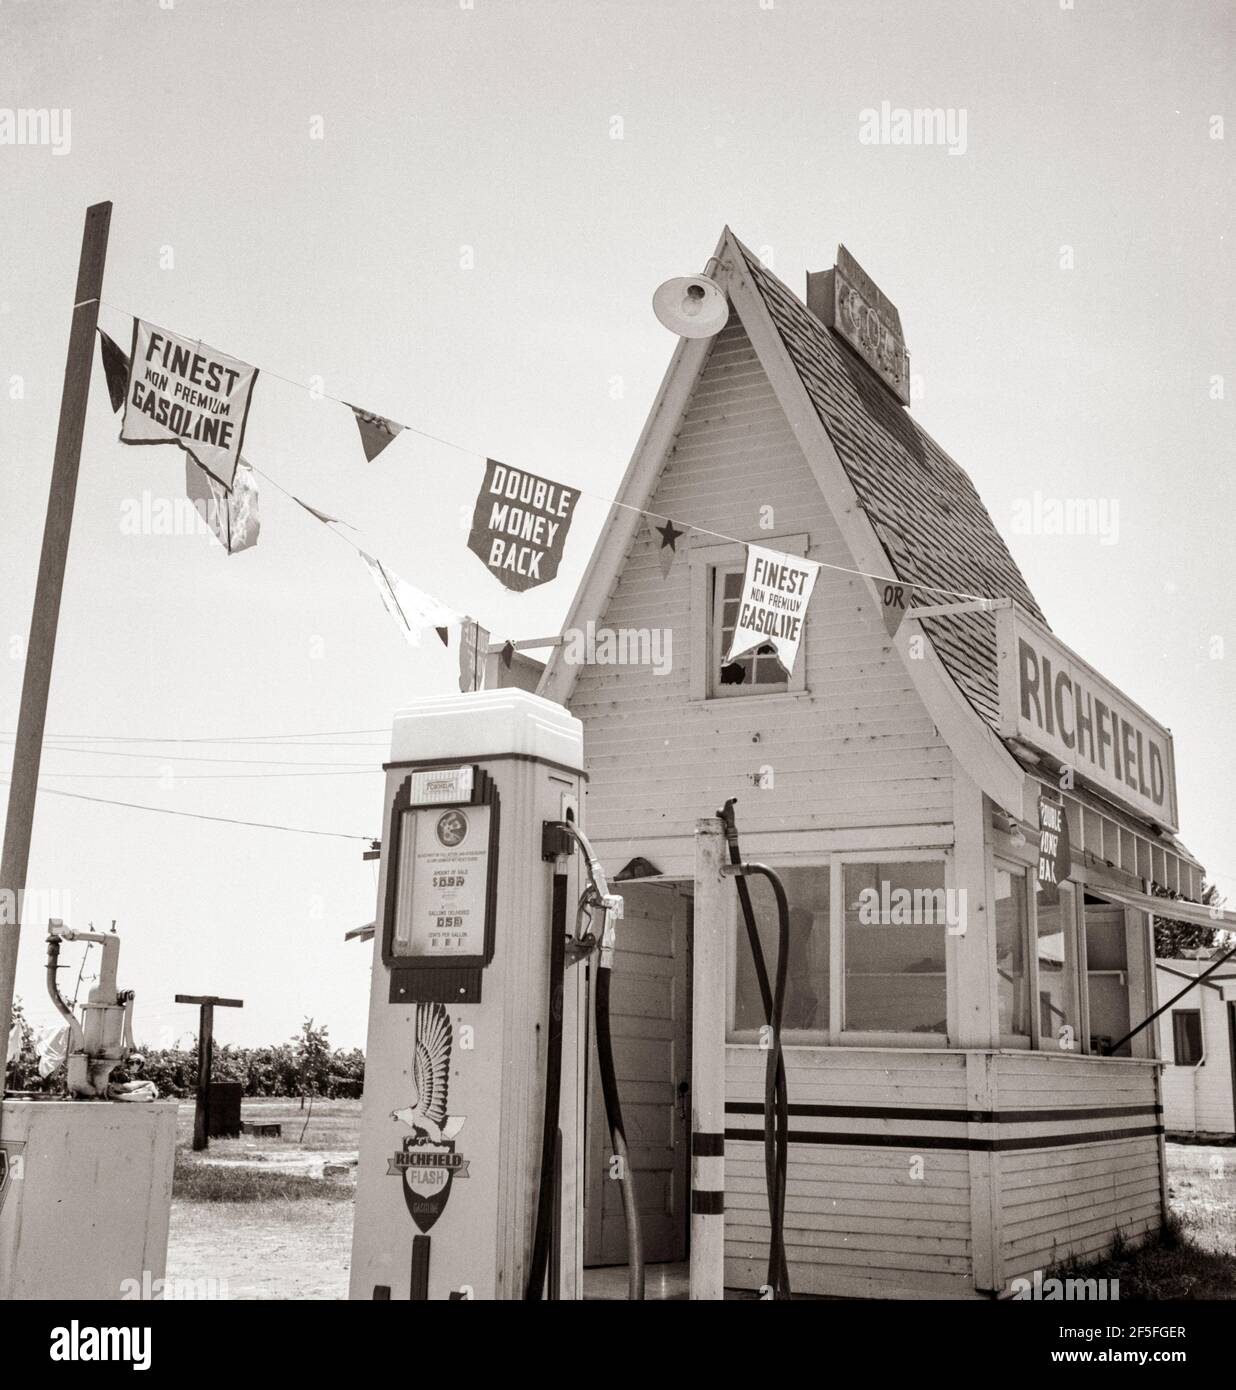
[(195, 1181), (1168, 1267), (333, 1124), (1194, 1255)]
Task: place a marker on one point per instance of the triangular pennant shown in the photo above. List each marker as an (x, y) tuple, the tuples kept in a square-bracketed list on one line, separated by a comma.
[(232, 516), (667, 537), (376, 431), (473, 647), (894, 603), (323, 517), (412, 609), (115, 370)]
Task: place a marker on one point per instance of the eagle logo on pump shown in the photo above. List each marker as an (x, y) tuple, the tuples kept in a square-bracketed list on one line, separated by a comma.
[(427, 1161)]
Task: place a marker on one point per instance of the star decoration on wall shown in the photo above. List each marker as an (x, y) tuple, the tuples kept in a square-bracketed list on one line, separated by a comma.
[(669, 534)]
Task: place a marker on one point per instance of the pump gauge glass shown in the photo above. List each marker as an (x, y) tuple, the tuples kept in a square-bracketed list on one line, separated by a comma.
[(441, 892)]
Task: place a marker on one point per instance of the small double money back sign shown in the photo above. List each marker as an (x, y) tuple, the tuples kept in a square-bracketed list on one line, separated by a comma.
[(520, 525)]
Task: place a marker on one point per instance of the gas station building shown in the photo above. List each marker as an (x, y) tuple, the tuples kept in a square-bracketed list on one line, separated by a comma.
[(956, 1118)]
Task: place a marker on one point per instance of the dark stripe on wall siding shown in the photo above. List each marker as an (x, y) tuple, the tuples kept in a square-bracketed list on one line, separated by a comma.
[(973, 1117), (949, 1141), (706, 1144)]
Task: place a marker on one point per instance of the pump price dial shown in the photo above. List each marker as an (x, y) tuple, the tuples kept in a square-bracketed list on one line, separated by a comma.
[(443, 872)]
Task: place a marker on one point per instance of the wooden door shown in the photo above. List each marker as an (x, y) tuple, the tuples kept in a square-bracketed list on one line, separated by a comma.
[(650, 1021)]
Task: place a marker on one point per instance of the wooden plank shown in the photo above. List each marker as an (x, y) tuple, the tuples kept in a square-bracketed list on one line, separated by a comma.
[(985, 1196), (745, 1272), (903, 1229), (205, 1060), (800, 1251), (1101, 1228), (929, 1201)]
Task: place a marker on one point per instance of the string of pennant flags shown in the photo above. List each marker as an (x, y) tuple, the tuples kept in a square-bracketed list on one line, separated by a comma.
[(170, 389)]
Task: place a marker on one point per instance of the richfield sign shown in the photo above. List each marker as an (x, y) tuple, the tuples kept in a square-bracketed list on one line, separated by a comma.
[(1060, 706)]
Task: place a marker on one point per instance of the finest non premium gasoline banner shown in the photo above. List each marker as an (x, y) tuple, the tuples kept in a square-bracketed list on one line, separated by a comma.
[(776, 590), (185, 393)]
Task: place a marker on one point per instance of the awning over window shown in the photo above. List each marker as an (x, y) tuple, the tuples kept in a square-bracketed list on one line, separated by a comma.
[(1175, 909)]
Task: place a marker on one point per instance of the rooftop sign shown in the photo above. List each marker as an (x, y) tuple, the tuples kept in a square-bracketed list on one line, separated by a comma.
[(1053, 701), (853, 305)]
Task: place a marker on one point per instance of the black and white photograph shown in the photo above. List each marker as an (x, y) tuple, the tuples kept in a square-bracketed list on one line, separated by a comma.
[(691, 541)]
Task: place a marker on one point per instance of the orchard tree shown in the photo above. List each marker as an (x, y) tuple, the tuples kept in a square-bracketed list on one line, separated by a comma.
[(1172, 937)]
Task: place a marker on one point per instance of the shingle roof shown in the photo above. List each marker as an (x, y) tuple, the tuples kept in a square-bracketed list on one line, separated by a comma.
[(925, 510)]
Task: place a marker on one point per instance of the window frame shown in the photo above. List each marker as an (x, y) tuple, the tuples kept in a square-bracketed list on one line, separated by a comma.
[(1138, 970), (1017, 872), (855, 1037), (790, 1037), (718, 574), (836, 1036), (1201, 1038), (703, 561), (1072, 938)]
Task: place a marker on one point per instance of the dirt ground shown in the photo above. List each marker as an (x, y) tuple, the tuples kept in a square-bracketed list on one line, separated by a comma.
[(250, 1253), (272, 1246), (282, 1244)]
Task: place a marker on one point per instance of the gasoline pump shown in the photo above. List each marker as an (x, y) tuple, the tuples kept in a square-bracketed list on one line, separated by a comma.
[(470, 1182), (103, 1040)]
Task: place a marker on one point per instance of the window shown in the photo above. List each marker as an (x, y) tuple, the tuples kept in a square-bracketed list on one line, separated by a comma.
[(1110, 990), (896, 921), (1056, 935), (759, 671), (1012, 972), (716, 574), (807, 979), (1187, 1036)]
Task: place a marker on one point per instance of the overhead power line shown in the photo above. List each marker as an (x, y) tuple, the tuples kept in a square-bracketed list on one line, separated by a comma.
[(194, 757), (196, 776), (199, 815), (277, 739)]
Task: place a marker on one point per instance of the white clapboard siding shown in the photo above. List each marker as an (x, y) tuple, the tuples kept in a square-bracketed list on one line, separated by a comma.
[(867, 1221), (1069, 1200), (857, 751), (1198, 1100), (859, 1221)]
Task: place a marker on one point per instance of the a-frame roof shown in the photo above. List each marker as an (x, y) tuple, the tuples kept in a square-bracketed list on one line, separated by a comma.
[(906, 509), (928, 516)]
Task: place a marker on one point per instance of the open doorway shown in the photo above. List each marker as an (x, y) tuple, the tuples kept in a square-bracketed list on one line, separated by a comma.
[(650, 1017)]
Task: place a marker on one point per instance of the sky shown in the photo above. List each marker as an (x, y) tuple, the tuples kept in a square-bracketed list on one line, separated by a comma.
[(455, 214)]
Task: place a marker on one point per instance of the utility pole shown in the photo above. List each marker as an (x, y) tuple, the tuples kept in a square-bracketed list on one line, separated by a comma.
[(41, 645), (205, 1059)]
